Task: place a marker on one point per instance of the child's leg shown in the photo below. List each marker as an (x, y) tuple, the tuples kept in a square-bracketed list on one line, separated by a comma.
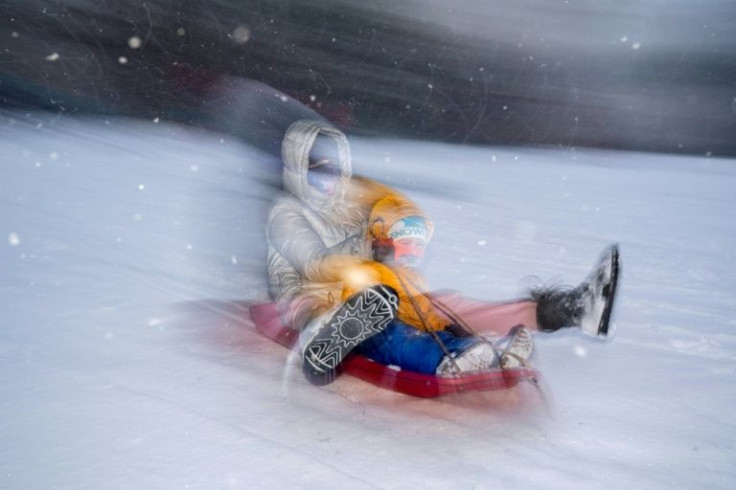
[(411, 349), (486, 316)]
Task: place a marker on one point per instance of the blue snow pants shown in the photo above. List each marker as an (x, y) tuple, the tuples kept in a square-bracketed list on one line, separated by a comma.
[(411, 349)]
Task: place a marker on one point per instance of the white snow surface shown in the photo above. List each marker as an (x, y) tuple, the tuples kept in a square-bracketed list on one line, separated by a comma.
[(131, 250)]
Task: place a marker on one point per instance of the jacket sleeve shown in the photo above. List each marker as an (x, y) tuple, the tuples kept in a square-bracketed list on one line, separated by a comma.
[(291, 234)]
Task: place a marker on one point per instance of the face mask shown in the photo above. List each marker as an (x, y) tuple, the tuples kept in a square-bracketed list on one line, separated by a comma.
[(409, 252), (323, 175)]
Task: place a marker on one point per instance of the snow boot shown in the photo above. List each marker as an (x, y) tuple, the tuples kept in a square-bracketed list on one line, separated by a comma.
[(519, 347), (361, 317), (478, 357), (588, 306)]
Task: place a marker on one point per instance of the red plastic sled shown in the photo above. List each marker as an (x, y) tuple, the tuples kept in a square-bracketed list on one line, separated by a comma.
[(267, 322)]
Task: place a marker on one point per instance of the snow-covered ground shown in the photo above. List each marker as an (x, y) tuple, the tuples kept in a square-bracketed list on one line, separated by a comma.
[(130, 251)]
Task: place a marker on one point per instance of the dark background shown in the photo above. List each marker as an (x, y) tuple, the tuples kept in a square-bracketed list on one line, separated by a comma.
[(648, 75)]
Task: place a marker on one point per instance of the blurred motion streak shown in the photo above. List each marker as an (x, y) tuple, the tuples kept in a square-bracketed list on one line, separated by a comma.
[(647, 75)]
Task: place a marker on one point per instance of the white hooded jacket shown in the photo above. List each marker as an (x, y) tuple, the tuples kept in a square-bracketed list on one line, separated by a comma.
[(306, 226)]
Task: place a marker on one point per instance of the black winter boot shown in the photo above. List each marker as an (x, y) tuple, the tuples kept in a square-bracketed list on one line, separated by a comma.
[(558, 308), (362, 316), (588, 306)]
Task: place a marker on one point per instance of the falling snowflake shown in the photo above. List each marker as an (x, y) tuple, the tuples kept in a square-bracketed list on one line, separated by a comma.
[(241, 35)]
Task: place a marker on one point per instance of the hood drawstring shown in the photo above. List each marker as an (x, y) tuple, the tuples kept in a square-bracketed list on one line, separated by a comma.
[(446, 310)]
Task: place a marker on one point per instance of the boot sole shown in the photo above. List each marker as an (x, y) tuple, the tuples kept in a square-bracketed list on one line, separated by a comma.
[(360, 318), (598, 323), (609, 292)]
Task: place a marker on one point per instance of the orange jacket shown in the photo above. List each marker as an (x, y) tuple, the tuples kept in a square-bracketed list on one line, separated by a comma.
[(415, 306)]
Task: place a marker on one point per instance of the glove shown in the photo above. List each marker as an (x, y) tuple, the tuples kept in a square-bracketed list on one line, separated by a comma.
[(458, 331), (382, 249)]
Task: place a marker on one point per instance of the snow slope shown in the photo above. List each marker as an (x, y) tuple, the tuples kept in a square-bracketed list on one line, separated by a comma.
[(130, 251)]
